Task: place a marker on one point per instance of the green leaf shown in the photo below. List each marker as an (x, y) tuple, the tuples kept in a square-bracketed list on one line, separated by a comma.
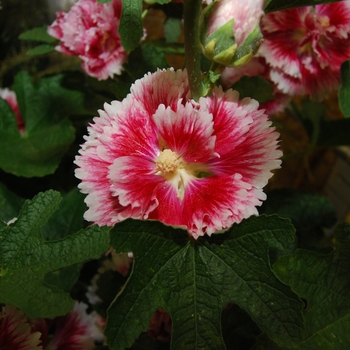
[(10, 204), (323, 280), (255, 87), (130, 27), (68, 218), (195, 280), (26, 258), (40, 50), (344, 91), (172, 29), (104, 1), (309, 213), (278, 5), (38, 34), (144, 59), (322, 131), (48, 132)]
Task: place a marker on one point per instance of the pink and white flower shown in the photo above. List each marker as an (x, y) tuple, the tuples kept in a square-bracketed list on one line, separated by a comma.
[(11, 98), (90, 31), (306, 46), (16, 332), (160, 155), (77, 330)]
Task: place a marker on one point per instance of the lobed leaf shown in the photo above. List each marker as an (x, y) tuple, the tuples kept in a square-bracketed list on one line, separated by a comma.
[(195, 280), (323, 281), (25, 258), (48, 132)]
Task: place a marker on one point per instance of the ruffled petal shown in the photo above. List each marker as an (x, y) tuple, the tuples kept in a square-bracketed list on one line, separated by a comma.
[(188, 131), (246, 142)]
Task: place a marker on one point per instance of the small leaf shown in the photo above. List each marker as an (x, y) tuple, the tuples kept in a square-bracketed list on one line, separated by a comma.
[(130, 27), (144, 59), (104, 1), (195, 280), (344, 91), (25, 258), (278, 5), (324, 282), (255, 87), (172, 29), (38, 34), (40, 50)]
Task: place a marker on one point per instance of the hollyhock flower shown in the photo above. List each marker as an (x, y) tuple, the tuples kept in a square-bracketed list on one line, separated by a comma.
[(11, 99), (230, 31), (74, 331), (306, 46), (160, 155), (256, 67), (16, 331), (90, 31)]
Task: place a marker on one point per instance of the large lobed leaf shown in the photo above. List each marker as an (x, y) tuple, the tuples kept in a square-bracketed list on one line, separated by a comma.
[(195, 280), (48, 132), (25, 258), (324, 282)]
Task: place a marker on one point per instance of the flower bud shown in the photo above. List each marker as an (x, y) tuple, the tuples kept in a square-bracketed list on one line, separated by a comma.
[(230, 32)]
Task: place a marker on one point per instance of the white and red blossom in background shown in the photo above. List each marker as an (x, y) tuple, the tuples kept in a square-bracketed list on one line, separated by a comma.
[(77, 330), (16, 332), (306, 46), (160, 155), (256, 67), (11, 98), (90, 31)]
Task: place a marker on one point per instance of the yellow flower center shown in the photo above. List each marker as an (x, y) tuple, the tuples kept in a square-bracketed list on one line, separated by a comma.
[(167, 161)]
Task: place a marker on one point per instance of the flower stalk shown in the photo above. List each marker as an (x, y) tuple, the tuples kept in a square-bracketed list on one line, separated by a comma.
[(192, 10)]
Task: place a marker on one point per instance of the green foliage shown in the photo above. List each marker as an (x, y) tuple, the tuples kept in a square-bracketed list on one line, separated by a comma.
[(344, 91), (308, 212), (26, 258), (130, 27), (104, 1), (323, 281), (40, 50), (172, 29), (10, 203), (322, 131), (195, 280), (68, 218), (255, 87), (278, 5), (38, 34), (48, 132), (145, 59)]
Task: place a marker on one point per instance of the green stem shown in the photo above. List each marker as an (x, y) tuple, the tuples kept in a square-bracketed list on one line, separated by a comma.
[(192, 10)]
